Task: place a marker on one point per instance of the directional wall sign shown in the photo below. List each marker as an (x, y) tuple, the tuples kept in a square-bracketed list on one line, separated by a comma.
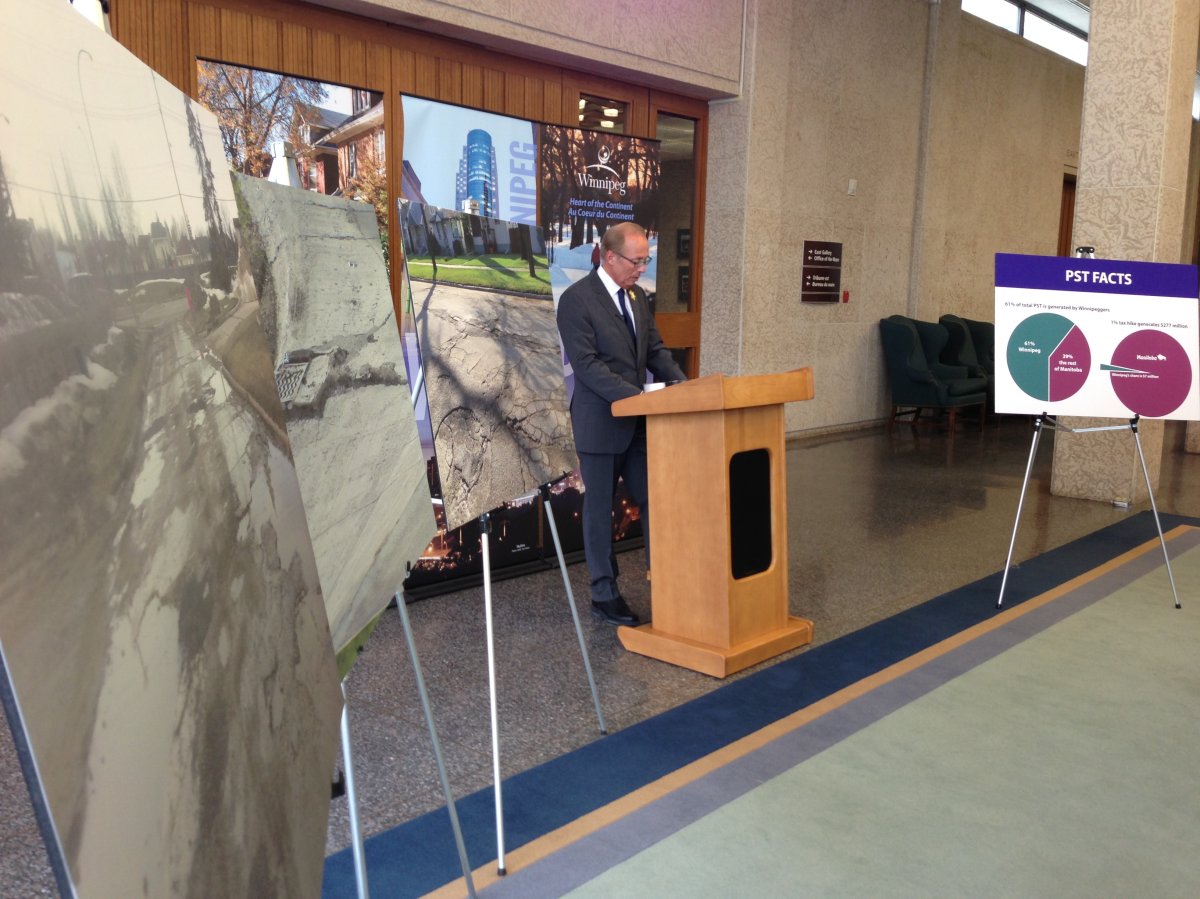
[(821, 276), (1096, 337)]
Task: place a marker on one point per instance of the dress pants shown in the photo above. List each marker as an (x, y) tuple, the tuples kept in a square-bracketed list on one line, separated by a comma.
[(600, 472)]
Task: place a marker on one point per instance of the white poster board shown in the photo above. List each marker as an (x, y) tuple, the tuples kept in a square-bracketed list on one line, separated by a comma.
[(1096, 337)]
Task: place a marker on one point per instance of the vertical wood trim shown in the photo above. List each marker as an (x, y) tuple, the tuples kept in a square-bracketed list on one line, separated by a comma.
[(424, 75), (493, 90), (237, 39), (404, 70), (204, 30), (266, 44), (449, 80), (377, 69), (472, 86), (352, 55), (324, 56), (296, 48)]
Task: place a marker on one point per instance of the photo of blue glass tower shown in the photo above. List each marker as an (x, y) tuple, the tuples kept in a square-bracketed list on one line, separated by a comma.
[(466, 160), (477, 186)]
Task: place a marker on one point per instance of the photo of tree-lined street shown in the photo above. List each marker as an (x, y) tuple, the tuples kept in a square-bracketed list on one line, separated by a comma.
[(159, 605)]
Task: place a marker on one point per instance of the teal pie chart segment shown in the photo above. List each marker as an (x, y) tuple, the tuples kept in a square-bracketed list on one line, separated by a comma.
[(1049, 357)]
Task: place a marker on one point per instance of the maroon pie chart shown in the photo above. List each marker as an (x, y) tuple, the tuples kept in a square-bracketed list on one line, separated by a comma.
[(1151, 373)]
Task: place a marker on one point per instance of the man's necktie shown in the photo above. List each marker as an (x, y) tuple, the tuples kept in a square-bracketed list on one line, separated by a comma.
[(625, 315)]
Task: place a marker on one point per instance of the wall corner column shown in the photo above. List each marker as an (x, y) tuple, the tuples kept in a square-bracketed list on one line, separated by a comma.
[(1132, 191)]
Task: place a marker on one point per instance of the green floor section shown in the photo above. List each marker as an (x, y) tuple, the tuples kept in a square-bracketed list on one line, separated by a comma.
[(1066, 766)]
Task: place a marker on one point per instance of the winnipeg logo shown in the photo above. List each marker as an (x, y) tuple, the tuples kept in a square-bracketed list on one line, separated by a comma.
[(601, 180)]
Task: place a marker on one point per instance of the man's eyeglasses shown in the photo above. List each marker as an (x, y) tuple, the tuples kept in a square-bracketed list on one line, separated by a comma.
[(636, 263)]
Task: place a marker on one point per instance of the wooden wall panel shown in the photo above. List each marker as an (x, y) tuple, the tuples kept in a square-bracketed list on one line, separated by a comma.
[(552, 102), (266, 43), (514, 94), (324, 56), (296, 48), (449, 81), (534, 96), (424, 75), (493, 90), (352, 59), (167, 57), (472, 86), (404, 68), (204, 31), (378, 71), (237, 37)]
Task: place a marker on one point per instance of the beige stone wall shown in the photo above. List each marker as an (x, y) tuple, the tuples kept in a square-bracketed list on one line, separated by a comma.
[(833, 93), (673, 44)]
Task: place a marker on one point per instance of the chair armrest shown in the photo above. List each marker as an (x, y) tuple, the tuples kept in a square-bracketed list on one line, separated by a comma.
[(948, 372)]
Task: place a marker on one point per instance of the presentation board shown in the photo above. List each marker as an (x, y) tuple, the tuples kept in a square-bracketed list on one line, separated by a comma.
[(168, 675), (1096, 337)]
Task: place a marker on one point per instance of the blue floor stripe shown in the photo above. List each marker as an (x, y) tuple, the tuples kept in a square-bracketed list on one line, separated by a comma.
[(419, 856)]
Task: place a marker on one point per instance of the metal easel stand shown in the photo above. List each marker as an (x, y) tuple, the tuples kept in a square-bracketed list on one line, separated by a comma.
[(485, 530), (356, 840), (437, 747), (544, 490), (1045, 420)]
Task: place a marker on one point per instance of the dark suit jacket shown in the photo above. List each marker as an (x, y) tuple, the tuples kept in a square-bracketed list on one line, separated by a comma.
[(606, 364)]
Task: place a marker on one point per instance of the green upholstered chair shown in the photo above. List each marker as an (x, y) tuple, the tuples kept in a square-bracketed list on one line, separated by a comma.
[(961, 350), (918, 380), (983, 335)]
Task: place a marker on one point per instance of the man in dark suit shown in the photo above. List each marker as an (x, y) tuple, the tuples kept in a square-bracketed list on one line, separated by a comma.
[(610, 339)]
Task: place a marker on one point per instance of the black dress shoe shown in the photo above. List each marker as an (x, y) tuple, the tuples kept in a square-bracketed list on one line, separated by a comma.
[(615, 611)]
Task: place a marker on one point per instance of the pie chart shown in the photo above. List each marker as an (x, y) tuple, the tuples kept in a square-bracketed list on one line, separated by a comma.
[(1150, 373), (1048, 357)]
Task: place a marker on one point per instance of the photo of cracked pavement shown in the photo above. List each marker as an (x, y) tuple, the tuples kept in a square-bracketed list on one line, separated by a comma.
[(491, 356), (338, 359), (161, 620)]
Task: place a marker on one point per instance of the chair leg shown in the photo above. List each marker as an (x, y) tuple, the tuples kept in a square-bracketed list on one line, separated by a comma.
[(953, 418)]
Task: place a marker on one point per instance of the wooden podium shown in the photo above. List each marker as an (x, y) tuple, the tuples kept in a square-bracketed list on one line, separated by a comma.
[(718, 522)]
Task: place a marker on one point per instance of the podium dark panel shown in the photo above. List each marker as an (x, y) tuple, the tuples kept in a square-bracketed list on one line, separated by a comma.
[(749, 512)]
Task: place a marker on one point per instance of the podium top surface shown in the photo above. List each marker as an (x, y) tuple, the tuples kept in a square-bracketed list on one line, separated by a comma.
[(716, 392)]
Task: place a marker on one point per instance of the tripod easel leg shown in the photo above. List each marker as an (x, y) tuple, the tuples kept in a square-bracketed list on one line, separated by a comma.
[(437, 746), (1133, 426), (356, 841), (562, 566), (485, 527), (1037, 435)]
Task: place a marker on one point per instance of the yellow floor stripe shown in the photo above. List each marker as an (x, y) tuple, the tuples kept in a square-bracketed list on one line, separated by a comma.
[(588, 824)]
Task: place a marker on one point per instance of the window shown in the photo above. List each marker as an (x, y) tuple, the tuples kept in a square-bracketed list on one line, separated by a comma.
[(999, 12), (605, 115), (1046, 34), (1058, 25)]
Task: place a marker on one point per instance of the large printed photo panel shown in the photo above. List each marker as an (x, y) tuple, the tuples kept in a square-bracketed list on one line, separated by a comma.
[(327, 311), (169, 675), (490, 359)]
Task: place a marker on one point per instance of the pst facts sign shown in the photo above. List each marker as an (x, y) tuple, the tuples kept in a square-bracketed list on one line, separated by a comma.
[(1097, 337)]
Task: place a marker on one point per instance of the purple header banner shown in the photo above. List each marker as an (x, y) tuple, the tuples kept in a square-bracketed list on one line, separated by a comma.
[(1153, 279)]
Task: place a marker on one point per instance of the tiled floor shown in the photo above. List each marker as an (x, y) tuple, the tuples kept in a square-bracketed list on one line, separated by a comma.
[(876, 524)]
